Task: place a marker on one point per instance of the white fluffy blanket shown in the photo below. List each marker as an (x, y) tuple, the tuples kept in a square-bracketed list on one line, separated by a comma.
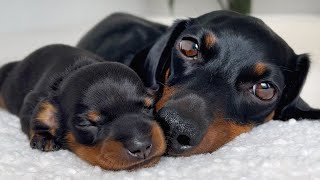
[(276, 150)]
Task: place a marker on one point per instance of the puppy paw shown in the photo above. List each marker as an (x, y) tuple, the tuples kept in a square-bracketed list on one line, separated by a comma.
[(44, 143)]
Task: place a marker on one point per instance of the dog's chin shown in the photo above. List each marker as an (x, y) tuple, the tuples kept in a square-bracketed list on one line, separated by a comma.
[(173, 153), (145, 164), (130, 165)]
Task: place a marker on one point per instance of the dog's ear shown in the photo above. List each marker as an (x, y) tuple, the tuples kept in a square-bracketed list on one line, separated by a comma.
[(159, 55), (291, 105)]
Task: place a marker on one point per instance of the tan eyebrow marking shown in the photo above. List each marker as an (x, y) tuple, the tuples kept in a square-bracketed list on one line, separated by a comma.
[(260, 68), (93, 115), (148, 101), (210, 40)]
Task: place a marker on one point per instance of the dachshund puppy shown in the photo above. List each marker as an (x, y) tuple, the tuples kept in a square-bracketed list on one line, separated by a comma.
[(71, 99), (217, 75)]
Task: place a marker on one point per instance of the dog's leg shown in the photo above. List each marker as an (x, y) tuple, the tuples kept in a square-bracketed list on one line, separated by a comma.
[(39, 121)]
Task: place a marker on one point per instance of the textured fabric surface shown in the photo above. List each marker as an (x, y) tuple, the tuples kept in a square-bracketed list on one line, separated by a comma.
[(276, 150)]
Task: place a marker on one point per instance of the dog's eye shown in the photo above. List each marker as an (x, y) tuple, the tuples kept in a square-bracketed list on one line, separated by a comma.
[(189, 47), (264, 91), (87, 126)]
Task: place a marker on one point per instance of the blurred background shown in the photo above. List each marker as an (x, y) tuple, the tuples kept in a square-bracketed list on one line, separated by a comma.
[(29, 24), (17, 15)]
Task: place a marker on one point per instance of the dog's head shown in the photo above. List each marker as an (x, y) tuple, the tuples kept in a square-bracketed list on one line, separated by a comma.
[(220, 75), (107, 120)]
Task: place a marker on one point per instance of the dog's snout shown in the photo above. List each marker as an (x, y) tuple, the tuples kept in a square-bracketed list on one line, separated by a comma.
[(140, 148), (182, 133)]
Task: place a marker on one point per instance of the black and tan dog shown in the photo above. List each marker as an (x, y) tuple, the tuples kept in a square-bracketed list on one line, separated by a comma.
[(69, 98), (217, 75)]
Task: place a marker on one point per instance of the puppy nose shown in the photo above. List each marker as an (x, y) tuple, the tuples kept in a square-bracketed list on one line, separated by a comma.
[(140, 148), (183, 133)]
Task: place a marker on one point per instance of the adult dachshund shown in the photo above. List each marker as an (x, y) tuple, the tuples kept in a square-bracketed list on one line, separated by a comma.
[(217, 75), (69, 98)]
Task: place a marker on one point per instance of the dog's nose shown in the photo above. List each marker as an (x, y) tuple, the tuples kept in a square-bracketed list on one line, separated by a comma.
[(140, 148), (182, 133)]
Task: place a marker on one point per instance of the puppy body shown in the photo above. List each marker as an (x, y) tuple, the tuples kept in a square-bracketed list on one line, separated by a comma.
[(217, 75), (122, 31), (38, 72), (69, 98)]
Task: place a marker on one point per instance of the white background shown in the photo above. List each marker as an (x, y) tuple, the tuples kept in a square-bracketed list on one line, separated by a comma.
[(22, 15)]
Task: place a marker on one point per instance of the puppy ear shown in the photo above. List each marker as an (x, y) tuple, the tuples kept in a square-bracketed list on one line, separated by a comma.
[(158, 58), (291, 105)]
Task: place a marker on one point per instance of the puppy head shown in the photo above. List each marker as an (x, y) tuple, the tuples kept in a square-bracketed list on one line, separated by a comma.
[(108, 118), (223, 74)]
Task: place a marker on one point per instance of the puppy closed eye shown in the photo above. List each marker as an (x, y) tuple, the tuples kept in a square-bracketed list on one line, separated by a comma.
[(86, 125), (87, 131), (88, 120)]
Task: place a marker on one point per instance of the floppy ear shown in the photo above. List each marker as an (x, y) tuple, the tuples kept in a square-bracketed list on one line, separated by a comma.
[(291, 105), (158, 58)]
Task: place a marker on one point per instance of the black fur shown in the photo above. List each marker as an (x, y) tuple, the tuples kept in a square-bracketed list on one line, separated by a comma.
[(219, 82), (54, 90)]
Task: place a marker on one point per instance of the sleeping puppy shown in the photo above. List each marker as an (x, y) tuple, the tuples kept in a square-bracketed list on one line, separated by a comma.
[(217, 75), (71, 99)]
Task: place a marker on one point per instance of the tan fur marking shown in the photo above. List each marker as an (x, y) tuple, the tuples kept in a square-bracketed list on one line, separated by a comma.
[(148, 101), (88, 153), (93, 115), (2, 102), (209, 40), (47, 115), (260, 68), (31, 134), (111, 154), (218, 133), (269, 117), (158, 140), (166, 95)]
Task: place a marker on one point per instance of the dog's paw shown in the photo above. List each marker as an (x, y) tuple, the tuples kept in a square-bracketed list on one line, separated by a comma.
[(44, 143)]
